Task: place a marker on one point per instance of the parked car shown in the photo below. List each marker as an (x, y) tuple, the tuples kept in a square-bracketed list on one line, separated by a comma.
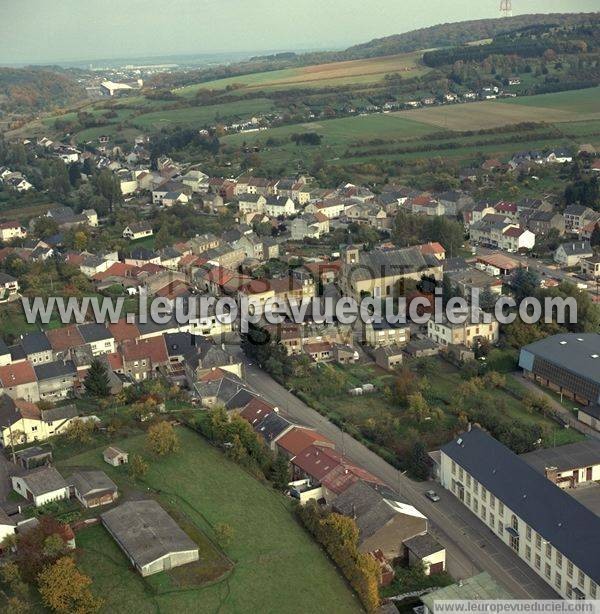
[(432, 495)]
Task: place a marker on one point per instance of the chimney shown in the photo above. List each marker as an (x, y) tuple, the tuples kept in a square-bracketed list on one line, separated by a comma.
[(469, 427)]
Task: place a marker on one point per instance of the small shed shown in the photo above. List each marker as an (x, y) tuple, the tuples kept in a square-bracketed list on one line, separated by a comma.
[(115, 456), (93, 488), (425, 549)]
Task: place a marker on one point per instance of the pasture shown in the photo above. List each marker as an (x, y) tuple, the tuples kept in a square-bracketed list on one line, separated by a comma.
[(350, 72), (277, 565), (344, 130), (199, 117)]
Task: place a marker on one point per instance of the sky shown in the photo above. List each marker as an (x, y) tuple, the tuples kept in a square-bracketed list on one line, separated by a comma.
[(46, 31)]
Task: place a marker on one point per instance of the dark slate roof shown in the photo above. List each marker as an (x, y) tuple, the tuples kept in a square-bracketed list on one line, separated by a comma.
[(561, 520), (3, 348), (94, 332), (423, 545), (571, 456), (59, 413), (9, 414), (58, 368), (370, 508), (43, 479), (35, 342), (380, 263), (271, 426), (240, 399), (577, 248), (572, 352), (88, 482)]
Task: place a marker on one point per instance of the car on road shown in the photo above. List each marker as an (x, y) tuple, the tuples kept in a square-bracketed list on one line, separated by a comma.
[(432, 495)]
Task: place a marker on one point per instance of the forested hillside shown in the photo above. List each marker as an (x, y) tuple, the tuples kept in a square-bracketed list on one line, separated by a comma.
[(26, 90)]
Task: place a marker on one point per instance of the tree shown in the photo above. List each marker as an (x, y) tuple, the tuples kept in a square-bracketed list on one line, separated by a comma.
[(97, 382), (66, 590), (224, 533), (162, 439), (45, 227), (280, 472), (80, 430), (418, 461), (595, 238)]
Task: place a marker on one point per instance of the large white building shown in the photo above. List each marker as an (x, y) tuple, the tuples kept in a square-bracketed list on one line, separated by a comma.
[(552, 532)]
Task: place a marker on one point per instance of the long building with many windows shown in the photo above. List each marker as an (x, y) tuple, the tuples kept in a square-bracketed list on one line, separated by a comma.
[(552, 532)]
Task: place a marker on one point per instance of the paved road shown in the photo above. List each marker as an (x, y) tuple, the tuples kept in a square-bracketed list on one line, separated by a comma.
[(470, 545)]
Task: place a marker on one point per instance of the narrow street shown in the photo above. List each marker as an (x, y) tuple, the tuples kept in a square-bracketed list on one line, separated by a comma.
[(471, 546)]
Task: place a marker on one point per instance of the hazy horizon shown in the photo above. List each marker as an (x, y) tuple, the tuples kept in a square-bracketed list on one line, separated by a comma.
[(40, 32)]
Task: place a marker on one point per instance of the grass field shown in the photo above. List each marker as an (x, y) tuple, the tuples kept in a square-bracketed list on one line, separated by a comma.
[(320, 75), (202, 116), (576, 105), (345, 130), (577, 101), (277, 566)]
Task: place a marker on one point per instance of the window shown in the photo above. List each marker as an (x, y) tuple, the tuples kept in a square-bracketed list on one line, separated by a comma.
[(476, 507), (593, 590), (514, 543), (528, 533), (548, 550), (557, 580), (492, 520), (461, 473), (538, 561), (528, 553), (547, 570), (558, 559), (580, 578), (500, 527), (570, 569), (453, 467), (538, 542), (483, 494), (483, 513), (501, 507), (476, 488), (514, 522), (492, 500), (469, 499), (468, 481)]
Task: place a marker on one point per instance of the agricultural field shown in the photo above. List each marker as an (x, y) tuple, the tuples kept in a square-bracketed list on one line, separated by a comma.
[(345, 130), (199, 117), (577, 101), (277, 567), (351, 72)]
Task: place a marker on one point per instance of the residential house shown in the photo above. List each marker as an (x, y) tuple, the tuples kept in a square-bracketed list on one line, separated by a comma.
[(590, 267), (138, 230), (575, 217), (11, 230), (251, 203), (389, 357), (143, 358), (542, 222), (384, 333), (18, 380), (468, 334), (425, 550), (571, 254), (279, 206), (37, 348), (98, 337), (56, 380), (9, 288), (311, 225), (383, 519)]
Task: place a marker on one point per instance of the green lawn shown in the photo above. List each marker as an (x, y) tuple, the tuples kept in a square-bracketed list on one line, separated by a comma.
[(277, 566), (202, 116)]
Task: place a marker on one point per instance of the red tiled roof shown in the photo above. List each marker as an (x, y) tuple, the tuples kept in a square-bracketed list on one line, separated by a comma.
[(7, 225), (432, 248), (298, 439), (173, 289), (123, 331), (213, 375), (27, 409), (256, 410), (115, 361), (64, 338), (118, 269), (153, 348), (313, 348), (513, 231), (17, 374)]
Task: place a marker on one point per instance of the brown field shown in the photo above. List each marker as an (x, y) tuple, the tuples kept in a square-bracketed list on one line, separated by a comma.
[(490, 114)]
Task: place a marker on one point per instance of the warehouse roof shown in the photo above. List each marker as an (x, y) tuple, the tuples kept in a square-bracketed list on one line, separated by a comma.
[(578, 353), (145, 531)]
